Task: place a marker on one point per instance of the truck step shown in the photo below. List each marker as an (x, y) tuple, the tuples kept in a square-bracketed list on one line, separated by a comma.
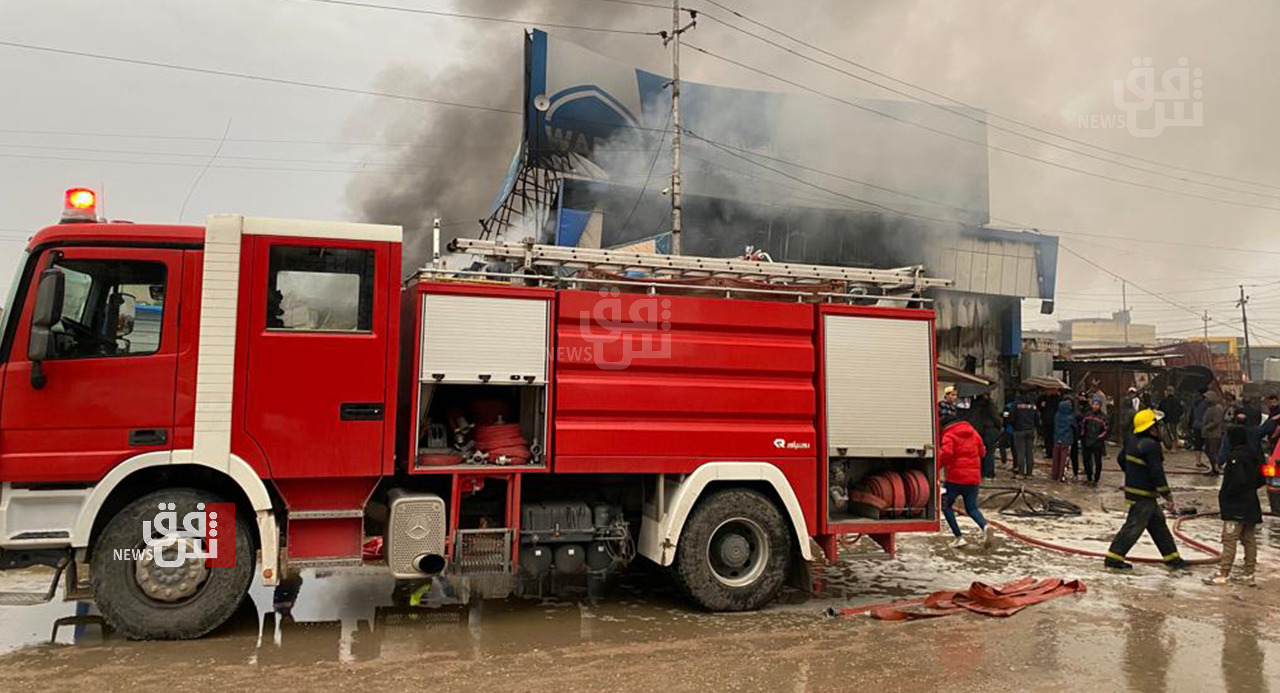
[(326, 514), (24, 598), (34, 598), (334, 562), (483, 552)]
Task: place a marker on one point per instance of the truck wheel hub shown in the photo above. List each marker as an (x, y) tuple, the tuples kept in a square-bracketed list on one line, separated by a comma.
[(734, 551), (738, 553), (172, 584)]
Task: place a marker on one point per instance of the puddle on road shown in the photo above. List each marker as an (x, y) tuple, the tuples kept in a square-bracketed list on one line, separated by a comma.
[(355, 616)]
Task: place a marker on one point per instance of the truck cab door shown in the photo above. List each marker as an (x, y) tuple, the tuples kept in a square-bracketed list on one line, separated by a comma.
[(320, 325), (109, 381)]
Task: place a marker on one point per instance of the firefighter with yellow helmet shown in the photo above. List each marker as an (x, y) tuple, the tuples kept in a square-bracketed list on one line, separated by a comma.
[(1142, 459)]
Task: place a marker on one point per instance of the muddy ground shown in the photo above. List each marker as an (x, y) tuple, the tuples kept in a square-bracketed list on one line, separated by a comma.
[(1149, 631)]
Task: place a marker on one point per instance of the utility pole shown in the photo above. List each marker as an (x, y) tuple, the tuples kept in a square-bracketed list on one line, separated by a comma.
[(1206, 329), (1244, 316), (673, 39), (1124, 308)]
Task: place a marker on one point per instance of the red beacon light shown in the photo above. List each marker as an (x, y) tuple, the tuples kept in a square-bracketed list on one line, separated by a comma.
[(81, 206)]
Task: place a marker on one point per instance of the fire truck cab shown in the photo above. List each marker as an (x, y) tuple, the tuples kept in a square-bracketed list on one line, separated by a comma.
[(555, 415)]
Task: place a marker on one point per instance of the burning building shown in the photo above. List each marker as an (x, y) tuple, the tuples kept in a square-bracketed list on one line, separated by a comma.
[(855, 182)]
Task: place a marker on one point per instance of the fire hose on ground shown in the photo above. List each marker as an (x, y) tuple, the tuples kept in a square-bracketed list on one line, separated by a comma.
[(1176, 529)]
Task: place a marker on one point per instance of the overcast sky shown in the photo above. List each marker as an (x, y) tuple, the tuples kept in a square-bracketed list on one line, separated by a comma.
[(1043, 63)]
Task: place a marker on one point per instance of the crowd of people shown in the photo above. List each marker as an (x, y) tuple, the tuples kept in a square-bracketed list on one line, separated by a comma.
[(1230, 438)]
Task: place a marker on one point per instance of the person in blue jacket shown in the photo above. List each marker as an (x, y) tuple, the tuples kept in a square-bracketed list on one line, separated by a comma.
[(1065, 426)]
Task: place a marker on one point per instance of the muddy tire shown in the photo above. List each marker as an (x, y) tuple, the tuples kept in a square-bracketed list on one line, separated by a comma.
[(205, 599), (734, 552)]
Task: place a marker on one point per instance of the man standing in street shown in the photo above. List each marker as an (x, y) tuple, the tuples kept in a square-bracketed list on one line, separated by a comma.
[(1271, 427), (1048, 407), (1065, 428), (1144, 482), (1238, 504), (1211, 430), (1024, 435), (986, 419), (1171, 406), (1093, 441), (947, 407), (1198, 405), (1128, 407)]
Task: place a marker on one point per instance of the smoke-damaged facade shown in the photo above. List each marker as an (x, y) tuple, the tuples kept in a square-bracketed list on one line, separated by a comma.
[(853, 182)]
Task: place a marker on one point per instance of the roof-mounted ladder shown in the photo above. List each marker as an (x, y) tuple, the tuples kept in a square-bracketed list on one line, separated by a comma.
[(532, 255)]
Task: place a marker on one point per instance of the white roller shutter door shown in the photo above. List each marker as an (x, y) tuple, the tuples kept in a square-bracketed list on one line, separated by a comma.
[(467, 337), (879, 383)]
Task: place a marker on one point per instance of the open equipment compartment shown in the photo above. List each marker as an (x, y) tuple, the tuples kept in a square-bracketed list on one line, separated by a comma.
[(880, 459), (481, 399)]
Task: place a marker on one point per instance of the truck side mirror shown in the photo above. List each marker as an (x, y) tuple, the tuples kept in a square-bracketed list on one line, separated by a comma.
[(47, 313)]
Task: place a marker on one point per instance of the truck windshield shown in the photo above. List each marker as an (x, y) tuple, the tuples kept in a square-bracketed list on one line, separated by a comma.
[(8, 313)]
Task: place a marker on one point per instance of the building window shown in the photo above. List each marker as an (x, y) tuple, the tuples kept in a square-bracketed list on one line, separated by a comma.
[(314, 289)]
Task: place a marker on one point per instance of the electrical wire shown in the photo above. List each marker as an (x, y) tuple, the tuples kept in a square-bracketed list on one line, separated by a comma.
[(1144, 290), (657, 153), (986, 112), (258, 78), (721, 146), (182, 164), (477, 17), (974, 142)]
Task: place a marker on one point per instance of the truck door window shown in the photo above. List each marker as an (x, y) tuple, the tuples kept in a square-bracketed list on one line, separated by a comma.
[(111, 308), (314, 289)]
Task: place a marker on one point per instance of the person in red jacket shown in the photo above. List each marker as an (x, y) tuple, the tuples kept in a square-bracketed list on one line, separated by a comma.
[(961, 460)]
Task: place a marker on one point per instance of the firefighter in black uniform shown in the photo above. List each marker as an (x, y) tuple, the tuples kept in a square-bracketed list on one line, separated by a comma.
[(1142, 460)]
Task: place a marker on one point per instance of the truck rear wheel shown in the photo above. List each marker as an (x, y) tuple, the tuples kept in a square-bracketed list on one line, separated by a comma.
[(145, 601), (734, 552)]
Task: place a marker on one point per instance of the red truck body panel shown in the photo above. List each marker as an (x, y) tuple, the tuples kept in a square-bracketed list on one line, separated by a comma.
[(636, 384)]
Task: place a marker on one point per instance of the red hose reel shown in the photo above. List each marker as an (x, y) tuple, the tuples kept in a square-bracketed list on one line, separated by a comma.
[(503, 440), (893, 494)]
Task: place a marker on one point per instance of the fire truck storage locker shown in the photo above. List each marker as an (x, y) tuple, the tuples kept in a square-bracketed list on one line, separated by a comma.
[(483, 363), (878, 373)]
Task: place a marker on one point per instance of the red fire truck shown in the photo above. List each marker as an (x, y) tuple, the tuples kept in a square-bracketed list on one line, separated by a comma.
[(556, 411)]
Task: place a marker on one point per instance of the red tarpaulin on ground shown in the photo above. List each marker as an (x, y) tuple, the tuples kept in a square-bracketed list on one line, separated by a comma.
[(1000, 600)]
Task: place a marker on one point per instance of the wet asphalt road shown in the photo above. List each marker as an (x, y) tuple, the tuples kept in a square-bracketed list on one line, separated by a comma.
[(1150, 631)]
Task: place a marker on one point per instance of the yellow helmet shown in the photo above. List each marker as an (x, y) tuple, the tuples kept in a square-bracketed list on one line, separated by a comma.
[(1146, 419)]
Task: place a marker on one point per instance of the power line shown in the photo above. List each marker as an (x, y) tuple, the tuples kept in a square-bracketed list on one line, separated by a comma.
[(962, 104), (392, 95), (251, 140), (202, 155), (977, 143), (181, 164), (784, 174), (1144, 290), (478, 17), (258, 78), (200, 176), (1184, 244), (657, 153)]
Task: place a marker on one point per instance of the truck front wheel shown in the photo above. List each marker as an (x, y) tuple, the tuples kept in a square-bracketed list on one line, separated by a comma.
[(143, 600), (734, 552)]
